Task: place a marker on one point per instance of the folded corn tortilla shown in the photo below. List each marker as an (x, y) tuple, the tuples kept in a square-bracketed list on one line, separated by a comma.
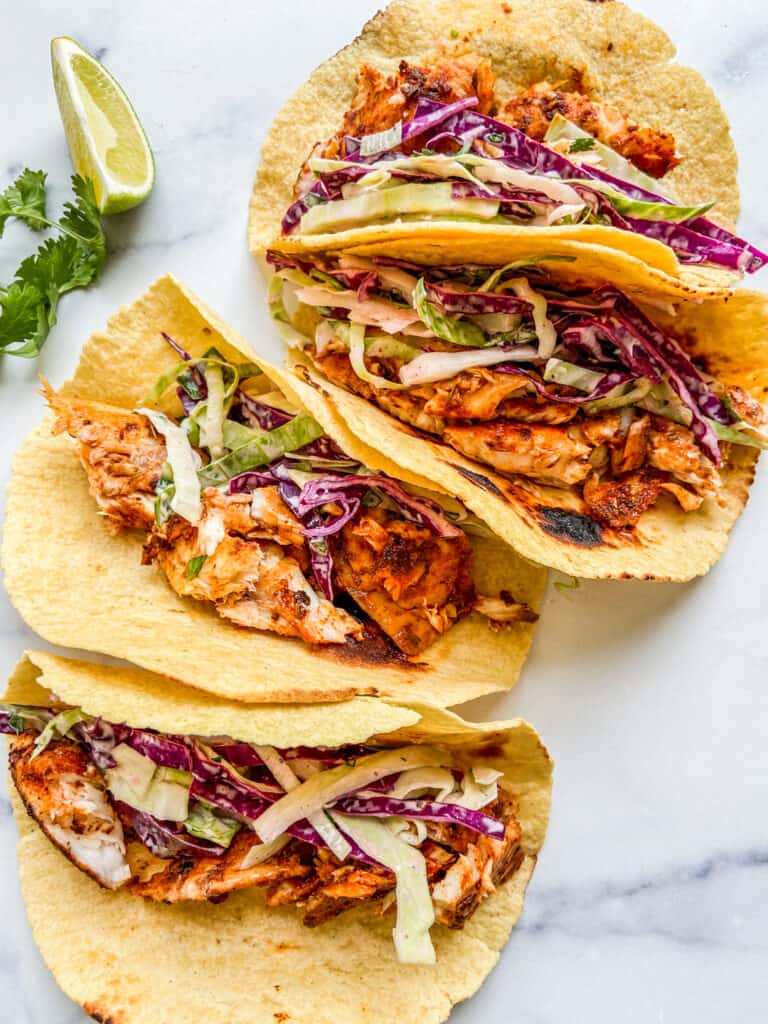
[(79, 585), (606, 49), (130, 961), (549, 525)]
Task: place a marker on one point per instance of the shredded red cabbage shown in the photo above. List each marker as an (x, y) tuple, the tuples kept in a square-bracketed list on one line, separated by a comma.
[(217, 782), (458, 127), (248, 810), (195, 381), (165, 838), (260, 415), (241, 755), (607, 384), (100, 738), (166, 751), (348, 492), (431, 810), (182, 353)]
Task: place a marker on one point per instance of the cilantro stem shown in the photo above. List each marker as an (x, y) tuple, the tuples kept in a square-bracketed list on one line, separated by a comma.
[(31, 215)]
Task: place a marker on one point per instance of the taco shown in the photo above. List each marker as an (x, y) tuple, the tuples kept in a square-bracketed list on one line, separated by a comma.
[(397, 833), (226, 535), (554, 126), (593, 434)]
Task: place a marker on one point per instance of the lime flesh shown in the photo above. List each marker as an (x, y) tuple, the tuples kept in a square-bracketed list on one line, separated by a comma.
[(105, 137)]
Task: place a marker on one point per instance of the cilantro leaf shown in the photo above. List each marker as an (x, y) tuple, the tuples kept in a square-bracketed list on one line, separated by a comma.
[(74, 259), (82, 219), (22, 319), (25, 199), (582, 145)]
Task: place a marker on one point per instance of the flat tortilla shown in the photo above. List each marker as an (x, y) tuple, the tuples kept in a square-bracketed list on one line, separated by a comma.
[(550, 525), (79, 585), (130, 961), (604, 49)]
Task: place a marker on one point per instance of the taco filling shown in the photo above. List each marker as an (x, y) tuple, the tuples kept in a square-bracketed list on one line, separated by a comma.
[(558, 384), (249, 506), (434, 142), (412, 828)]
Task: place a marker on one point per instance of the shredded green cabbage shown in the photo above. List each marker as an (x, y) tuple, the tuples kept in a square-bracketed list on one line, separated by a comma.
[(558, 371), (250, 447), (415, 912), (620, 396), (319, 820), (545, 330), (58, 727), (561, 128), (434, 198), (357, 360), (458, 332), (649, 210), (313, 794), (212, 425), (183, 462), (275, 299), (203, 823)]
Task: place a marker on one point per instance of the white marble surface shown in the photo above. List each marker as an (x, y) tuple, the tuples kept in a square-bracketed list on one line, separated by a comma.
[(649, 903)]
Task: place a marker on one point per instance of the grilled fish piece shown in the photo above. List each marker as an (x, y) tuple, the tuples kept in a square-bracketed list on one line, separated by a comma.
[(548, 454), (744, 404), (622, 501), (196, 876), (66, 795), (472, 395), (463, 868), (414, 584), (537, 410), (479, 868), (122, 456), (252, 583), (382, 100), (649, 149), (406, 406), (633, 452), (504, 609), (672, 448)]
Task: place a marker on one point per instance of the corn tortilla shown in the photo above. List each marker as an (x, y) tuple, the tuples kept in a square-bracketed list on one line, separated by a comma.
[(130, 961), (604, 49), (549, 525), (79, 585)]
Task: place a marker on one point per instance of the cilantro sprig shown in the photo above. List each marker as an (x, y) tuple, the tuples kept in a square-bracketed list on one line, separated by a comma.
[(74, 258)]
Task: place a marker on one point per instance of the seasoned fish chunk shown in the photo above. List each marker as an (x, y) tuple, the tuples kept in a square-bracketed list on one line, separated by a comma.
[(122, 456), (622, 501), (253, 583), (545, 453), (66, 795), (382, 100), (649, 149), (195, 876), (414, 584)]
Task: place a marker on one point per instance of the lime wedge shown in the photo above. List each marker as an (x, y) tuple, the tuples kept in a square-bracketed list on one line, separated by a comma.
[(105, 138)]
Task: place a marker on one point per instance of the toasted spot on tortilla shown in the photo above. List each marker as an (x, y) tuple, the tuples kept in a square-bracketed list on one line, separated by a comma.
[(375, 648), (565, 524), (103, 1016), (480, 479)]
